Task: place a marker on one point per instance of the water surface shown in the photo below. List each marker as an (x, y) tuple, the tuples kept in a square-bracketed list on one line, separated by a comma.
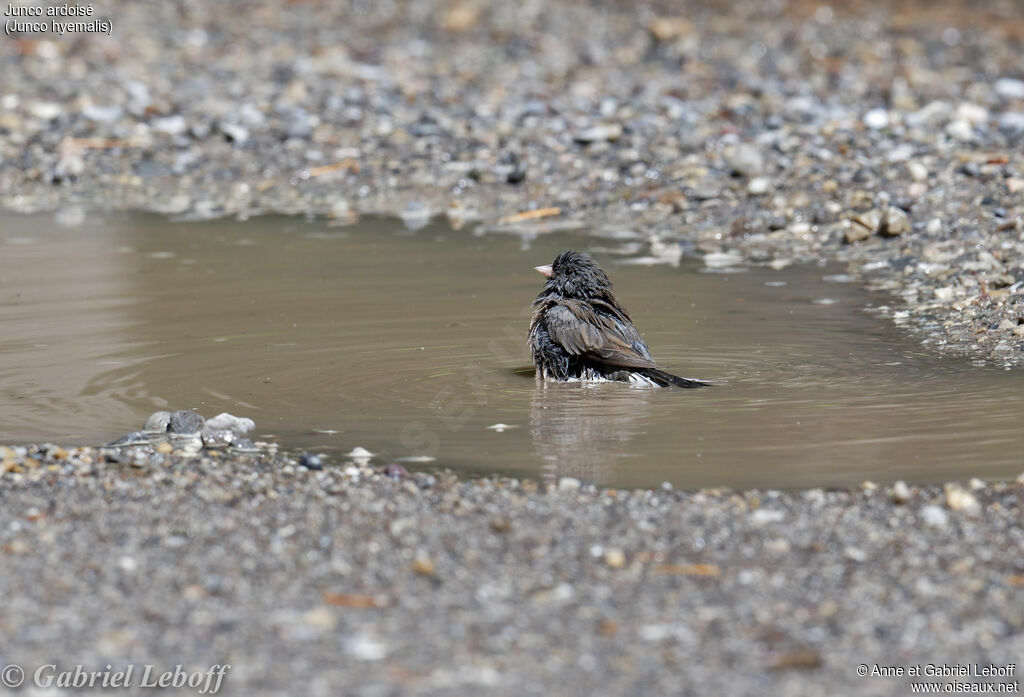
[(412, 344)]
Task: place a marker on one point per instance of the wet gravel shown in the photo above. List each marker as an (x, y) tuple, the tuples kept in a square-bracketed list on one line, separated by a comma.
[(884, 134), (342, 579)]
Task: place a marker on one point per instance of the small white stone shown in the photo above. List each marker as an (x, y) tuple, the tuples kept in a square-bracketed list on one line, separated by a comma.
[(103, 114), (918, 172), (170, 125), (973, 114), (238, 134), (240, 426), (1010, 88), (900, 492), (799, 229), (47, 111), (569, 484), (764, 516), (960, 499), (876, 119), (960, 130), (759, 186), (934, 516), (365, 648), (856, 554)]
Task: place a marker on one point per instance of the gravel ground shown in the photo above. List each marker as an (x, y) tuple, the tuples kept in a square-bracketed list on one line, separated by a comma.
[(347, 580), (885, 136)]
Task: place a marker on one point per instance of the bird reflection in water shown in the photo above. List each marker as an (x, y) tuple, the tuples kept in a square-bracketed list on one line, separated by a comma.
[(584, 430)]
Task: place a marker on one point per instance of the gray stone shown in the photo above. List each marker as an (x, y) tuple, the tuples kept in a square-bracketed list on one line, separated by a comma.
[(158, 422), (185, 421)]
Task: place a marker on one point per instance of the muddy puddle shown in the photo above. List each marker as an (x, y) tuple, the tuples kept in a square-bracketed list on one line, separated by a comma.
[(412, 344)]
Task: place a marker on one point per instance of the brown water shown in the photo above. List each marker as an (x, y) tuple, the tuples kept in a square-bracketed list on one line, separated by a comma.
[(413, 345)]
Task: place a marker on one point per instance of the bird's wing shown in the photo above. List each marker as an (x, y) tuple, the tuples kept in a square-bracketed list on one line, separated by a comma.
[(597, 332)]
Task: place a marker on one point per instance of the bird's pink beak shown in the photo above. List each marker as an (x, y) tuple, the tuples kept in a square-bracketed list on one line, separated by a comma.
[(546, 269)]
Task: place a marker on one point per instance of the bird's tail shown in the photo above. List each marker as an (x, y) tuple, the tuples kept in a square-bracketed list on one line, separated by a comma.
[(664, 379)]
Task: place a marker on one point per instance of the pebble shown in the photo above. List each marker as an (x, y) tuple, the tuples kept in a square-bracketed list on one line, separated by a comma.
[(235, 133), (973, 114), (856, 554), (365, 648), (765, 516), (216, 438), (894, 222), (615, 558), (934, 516), (900, 492), (170, 125), (415, 215), (244, 445), (759, 186), (185, 421), (856, 233), (46, 111), (1012, 122), (876, 119), (569, 484), (1009, 88), (594, 134), (396, 471), (745, 160), (158, 422), (423, 564), (959, 499), (960, 130), (311, 461), (239, 426), (918, 172), (102, 114), (361, 456)]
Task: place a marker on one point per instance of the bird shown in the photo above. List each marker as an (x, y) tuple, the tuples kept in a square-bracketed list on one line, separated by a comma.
[(579, 331)]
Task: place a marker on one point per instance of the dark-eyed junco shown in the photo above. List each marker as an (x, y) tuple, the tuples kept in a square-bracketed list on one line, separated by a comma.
[(580, 332)]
